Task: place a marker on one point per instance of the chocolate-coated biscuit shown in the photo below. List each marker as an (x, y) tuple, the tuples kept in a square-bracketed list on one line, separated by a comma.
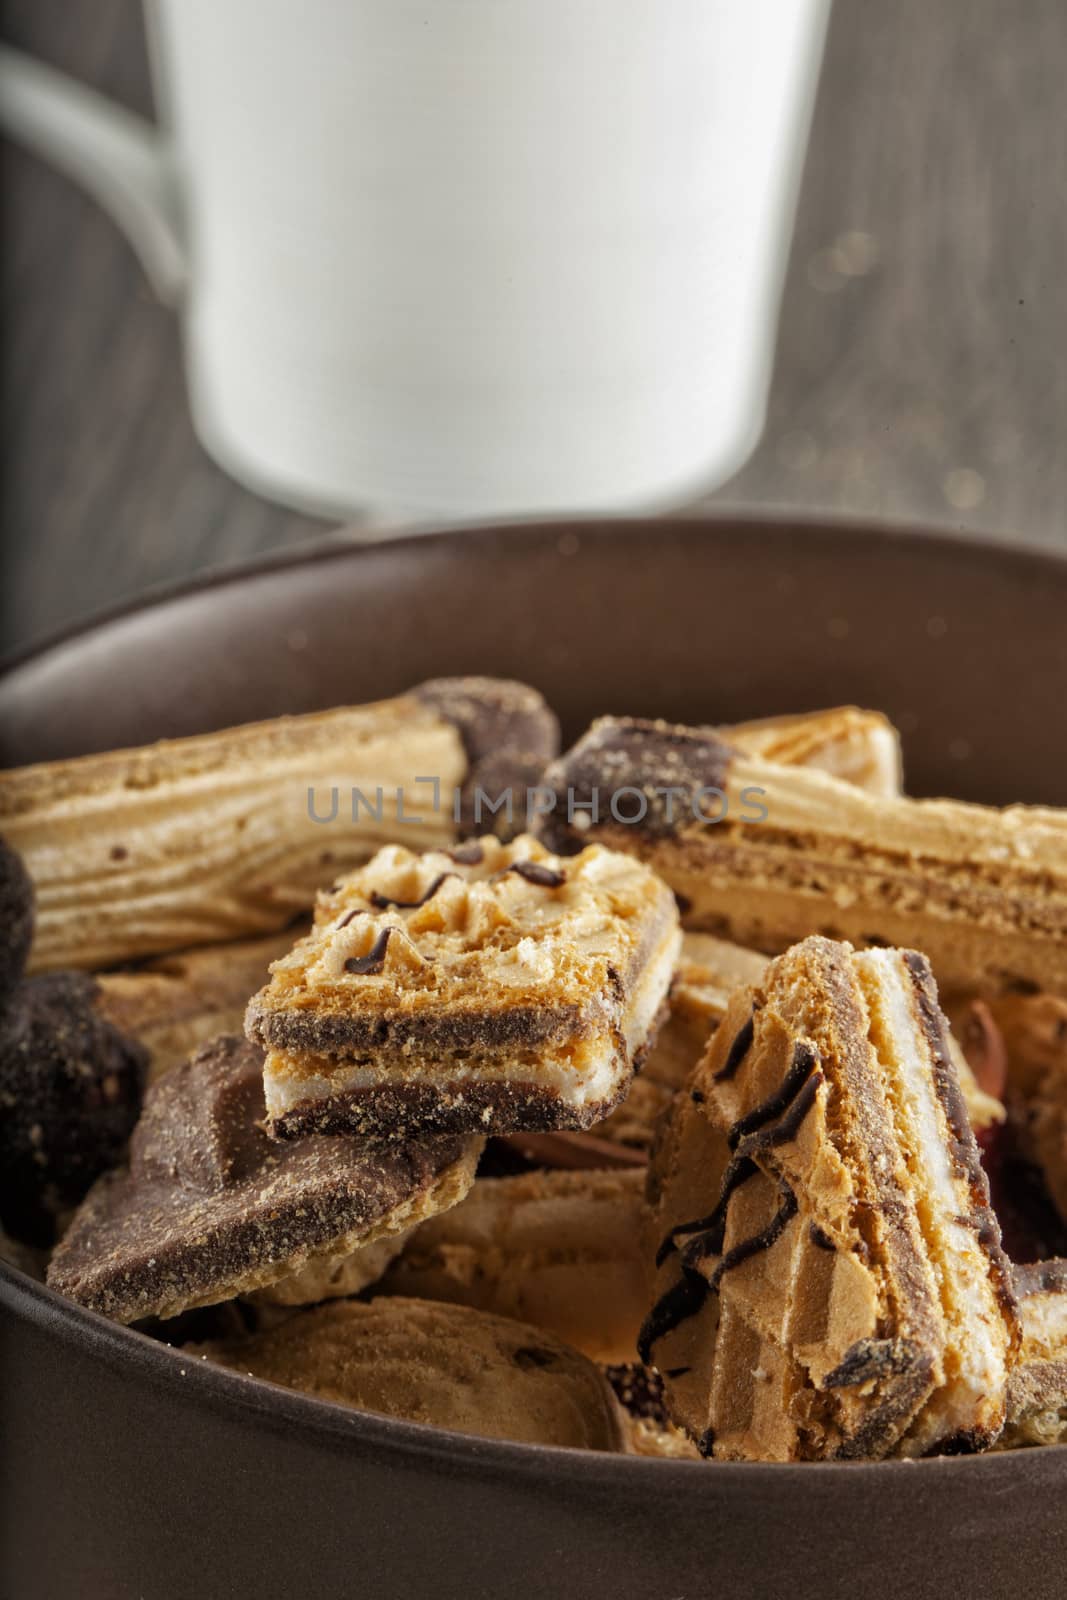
[(210, 1207), (766, 854), (70, 1094)]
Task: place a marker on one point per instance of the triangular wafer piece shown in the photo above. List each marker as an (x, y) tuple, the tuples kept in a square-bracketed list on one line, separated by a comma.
[(829, 1274)]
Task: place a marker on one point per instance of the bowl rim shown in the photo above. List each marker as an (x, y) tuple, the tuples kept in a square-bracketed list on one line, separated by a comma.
[(350, 543), (276, 1408)]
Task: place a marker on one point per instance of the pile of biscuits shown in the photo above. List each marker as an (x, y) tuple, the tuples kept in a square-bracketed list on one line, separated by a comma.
[(693, 1094)]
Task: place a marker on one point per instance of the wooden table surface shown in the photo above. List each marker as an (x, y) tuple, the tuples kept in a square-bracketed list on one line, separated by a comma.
[(922, 361)]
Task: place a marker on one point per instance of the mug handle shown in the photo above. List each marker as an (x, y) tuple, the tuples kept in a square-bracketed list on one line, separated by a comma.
[(123, 161)]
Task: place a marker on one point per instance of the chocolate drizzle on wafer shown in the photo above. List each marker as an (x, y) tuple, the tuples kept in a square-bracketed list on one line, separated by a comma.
[(738, 1051), (385, 902), (749, 1134), (374, 960), (686, 1298), (682, 1301), (801, 1092), (799, 1072), (757, 1242), (534, 872), (739, 1169)]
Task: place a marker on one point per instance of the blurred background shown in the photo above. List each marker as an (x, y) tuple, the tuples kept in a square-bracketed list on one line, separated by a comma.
[(919, 374)]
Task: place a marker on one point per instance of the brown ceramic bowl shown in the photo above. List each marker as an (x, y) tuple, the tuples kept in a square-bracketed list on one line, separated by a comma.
[(129, 1471)]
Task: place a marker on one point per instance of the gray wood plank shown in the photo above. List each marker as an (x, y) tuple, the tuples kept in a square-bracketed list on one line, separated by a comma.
[(921, 370)]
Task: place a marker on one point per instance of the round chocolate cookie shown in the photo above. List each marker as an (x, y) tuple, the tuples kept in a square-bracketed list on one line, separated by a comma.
[(16, 920), (70, 1094)]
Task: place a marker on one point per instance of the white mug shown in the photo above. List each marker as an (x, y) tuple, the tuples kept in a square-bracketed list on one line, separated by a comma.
[(467, 257)]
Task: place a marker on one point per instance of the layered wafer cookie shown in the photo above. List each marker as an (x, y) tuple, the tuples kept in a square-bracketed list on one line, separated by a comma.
[(495, 989), (708, 971), (174, 1004), (829, 1277), (210, 1207), (449, 1366), (1037, 1389), (558, 1249), (199, 840), (766, 854)]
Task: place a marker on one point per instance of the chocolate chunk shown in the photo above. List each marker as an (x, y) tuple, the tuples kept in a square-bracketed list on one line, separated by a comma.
[(534, 872), (16, 920), (656, 772), (529, 1357), (640, 1391), (70, 1092), (1041, 1277), (509, 735), (210, 1206), (374, 960), (467, 855)]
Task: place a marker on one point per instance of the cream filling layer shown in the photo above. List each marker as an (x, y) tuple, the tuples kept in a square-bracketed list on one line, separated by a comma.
[(582, 1072)]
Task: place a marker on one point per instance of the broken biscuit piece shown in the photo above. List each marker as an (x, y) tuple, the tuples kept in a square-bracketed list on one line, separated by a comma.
[(829, 1277), (559, 1249), (226, 835), (493, 989), (858, 747), (709, 970), (1037, 1389), (766, 854), (210, 1206)]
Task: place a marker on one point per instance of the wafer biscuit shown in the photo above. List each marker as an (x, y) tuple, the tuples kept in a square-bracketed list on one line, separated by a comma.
[(1037, 1390), (226, 835), (766, 854), (1034, 1029), (500, 991), (858, 747), (174, 1004), (829, 1276)]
